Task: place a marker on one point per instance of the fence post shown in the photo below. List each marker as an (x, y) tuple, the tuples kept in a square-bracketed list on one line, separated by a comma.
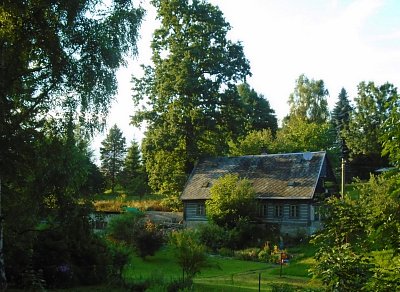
[(259, 282)]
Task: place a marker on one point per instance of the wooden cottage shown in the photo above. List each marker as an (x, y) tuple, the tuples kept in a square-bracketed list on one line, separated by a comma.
[(289, 187)]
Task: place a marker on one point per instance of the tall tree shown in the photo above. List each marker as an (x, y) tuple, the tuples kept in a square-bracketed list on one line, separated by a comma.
[(133, 176), (193, 104), (390, 136), (366, 126), (298, 134), (112, 155), (258, 114), (254, 143), (309, 100), (56, 55), (340, 119)]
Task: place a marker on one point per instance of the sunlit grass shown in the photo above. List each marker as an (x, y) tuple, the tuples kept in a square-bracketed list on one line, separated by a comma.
[(228, 274)]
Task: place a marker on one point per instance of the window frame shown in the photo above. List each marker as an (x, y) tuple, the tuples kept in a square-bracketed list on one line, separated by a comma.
[(263, 210), (294, 211), (278, 211), (200, 209)]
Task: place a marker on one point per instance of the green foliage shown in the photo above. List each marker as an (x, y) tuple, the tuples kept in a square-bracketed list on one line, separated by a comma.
[(135, 231), (343, 269), (386, 276), (189, 252), (63, 55), (212, 236), (165, 167), (50, 198), (298, 135), (254, 143), (112, 155), (148, 239), (308, 101), (68, 252), (340, 121), (244, 234), (133, 176), (380, 200), (119, 258), (231, 199), (258, 114), (390, 136), (364, 131), (360, 237), (58, 61), (193, 106)]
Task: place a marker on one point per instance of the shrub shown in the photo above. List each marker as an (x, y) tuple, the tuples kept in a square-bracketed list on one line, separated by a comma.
[(248, 254), (68, 253), (264, 255), (212, 236), (282, 288), (134, 231), (226, 252), (148, 238), (119, 255)]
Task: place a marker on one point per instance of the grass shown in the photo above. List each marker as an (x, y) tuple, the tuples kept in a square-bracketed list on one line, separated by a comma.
[(228, 274), (108, 202)]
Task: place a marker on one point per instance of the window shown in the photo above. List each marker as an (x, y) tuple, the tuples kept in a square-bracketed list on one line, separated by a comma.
[(263, 210), (200, 210), (294, 211), (278, 211)]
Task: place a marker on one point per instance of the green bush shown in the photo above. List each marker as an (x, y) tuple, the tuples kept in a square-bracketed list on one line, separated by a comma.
[(226, 252), (148, 238), (248, 254), (212, 236), (264, 255), (282, 288), (137, 232), (120, 255)]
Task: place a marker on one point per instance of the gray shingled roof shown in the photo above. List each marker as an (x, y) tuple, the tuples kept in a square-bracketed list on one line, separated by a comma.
[(277, 176)]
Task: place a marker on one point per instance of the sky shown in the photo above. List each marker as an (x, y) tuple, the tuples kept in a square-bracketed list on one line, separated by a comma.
[(341, 42)]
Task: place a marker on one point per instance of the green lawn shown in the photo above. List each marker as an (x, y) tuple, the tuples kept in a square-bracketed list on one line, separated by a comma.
[(227, 274)]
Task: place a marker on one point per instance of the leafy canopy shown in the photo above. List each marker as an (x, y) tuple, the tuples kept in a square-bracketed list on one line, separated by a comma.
[(191, 103), (308, 101)]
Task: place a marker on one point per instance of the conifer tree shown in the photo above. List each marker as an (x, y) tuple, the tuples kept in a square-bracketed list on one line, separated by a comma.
[(112, 155)]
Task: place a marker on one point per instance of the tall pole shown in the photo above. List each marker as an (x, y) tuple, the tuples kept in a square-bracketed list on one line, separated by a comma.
[(343, 178)]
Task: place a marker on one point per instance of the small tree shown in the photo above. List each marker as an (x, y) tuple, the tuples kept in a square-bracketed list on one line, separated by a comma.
[(189, 252), (232, 200)]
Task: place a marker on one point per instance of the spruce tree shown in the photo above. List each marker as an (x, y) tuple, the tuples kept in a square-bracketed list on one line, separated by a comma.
[(340, 120), (112, 155)]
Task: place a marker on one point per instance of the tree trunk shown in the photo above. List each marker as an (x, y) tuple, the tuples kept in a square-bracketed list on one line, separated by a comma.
[(3, 279)]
